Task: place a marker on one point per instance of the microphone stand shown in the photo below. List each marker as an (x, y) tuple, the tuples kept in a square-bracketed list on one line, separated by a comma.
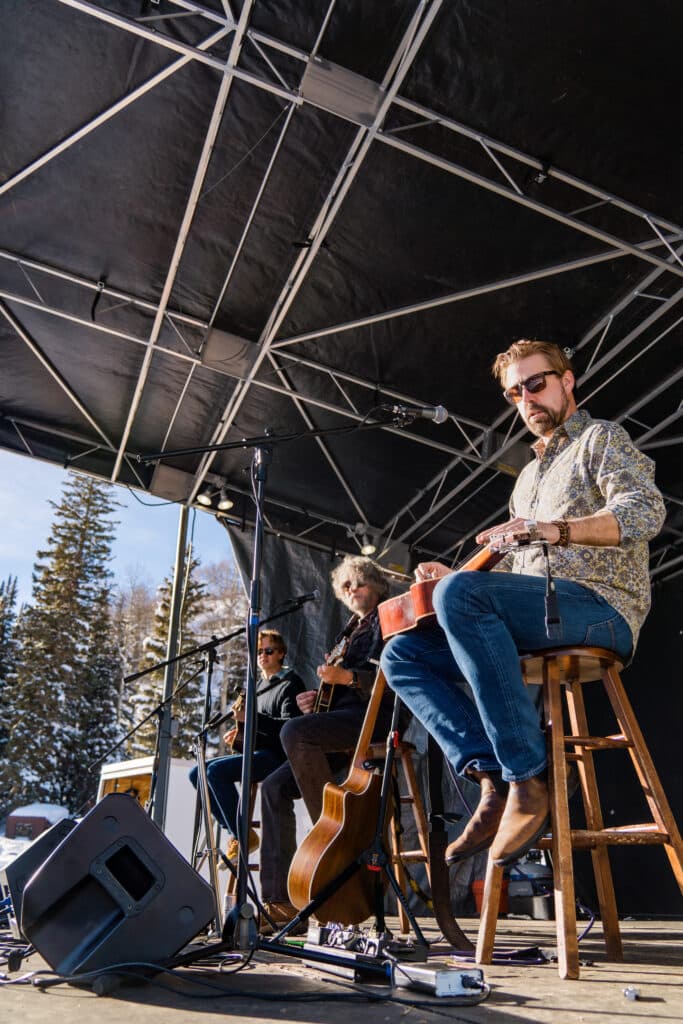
[(239, 928)]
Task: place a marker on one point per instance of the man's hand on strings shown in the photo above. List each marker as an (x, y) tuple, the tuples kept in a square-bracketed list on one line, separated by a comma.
[(518, 531), (335, 675)]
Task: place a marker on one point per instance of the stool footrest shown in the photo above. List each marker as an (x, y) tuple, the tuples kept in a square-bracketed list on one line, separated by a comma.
[(627, 835), (599, 742), (412, 855)]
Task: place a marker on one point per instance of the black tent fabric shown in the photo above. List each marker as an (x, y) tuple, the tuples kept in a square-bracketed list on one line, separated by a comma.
[(228, 217), (221, 218)]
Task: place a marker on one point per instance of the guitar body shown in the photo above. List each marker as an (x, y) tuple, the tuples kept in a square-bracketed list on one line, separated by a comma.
[(346, 827), (414, 609), (237, 744)]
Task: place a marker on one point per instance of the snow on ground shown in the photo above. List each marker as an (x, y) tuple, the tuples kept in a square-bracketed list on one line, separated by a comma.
[(11, 848)]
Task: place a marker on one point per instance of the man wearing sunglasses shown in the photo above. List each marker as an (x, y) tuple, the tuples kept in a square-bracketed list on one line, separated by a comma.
[(589, 494), (317, 744), (276, 702)]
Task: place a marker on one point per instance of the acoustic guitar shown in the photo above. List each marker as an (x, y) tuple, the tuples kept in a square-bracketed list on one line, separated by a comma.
[(414, 609), (345, 828), (237, 742), (325, 694)]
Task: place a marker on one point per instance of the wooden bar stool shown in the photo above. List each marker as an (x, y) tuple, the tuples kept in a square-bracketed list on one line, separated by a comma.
[(568, 669), (403, 754), (255, 824)]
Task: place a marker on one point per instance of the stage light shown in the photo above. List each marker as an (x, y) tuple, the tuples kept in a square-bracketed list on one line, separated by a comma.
[(205, 497), (224, 501), (368, 546)]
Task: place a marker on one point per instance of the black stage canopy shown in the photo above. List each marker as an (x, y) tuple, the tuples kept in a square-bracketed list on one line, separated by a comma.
[(220, 218)]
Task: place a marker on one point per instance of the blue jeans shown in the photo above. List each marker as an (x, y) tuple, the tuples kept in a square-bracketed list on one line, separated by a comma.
[(486, 620), (221, 775)]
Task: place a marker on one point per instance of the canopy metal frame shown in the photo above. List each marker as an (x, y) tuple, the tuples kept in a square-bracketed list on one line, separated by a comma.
[(398, 124)]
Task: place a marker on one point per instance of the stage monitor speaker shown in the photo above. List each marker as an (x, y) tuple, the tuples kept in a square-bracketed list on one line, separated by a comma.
[(114, 891), (15, 875)]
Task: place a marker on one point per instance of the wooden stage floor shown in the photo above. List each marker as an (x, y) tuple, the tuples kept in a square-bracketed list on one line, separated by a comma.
[(276, 988)]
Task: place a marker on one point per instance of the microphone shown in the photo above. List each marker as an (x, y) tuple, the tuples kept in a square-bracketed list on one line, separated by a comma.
[(298, 602), (435, 413), (313, 596), (219, 719)]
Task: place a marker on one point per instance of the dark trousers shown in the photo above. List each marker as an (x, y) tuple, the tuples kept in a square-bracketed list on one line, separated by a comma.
[(222, 774), (317, 749)]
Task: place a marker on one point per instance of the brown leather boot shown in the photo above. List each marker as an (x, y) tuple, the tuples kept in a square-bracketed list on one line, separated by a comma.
[(481, 829), (525, 819)]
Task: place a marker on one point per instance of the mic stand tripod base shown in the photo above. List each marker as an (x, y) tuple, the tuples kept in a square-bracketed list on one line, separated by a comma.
[(239, 929)]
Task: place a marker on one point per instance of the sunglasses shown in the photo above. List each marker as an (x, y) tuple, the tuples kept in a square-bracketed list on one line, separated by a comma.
[(534, 384), (348, 585), (265, 650)]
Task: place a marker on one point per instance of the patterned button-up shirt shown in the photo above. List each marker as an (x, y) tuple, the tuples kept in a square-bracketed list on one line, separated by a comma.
[(589, 465)]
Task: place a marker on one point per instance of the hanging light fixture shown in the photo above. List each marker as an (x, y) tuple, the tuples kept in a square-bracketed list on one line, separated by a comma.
[(368, 546), (204, 497), (224, 501)]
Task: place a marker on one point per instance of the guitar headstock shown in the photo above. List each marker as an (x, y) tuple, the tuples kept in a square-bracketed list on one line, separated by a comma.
[(337, 653)]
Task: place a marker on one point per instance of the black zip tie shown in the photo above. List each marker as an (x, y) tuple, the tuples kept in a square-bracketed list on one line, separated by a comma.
[(101, 285)]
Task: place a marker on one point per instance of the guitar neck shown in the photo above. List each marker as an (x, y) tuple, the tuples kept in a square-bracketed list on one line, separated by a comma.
[(365, 738), (482, 559)]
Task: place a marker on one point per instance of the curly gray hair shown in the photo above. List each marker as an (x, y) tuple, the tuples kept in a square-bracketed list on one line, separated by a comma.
[(362, 570)]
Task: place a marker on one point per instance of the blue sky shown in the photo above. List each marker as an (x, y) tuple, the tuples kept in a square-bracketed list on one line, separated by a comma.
[(145, 536)]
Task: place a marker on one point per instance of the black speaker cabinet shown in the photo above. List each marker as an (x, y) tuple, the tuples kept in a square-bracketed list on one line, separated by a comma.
[(15, 875), (114, 891)]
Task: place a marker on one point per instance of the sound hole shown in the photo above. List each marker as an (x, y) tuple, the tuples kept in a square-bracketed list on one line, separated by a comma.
[(130, 872)]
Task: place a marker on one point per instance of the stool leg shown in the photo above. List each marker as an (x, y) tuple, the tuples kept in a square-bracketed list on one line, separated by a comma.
[(563, 870), (419, 815), (232, 881), (490, 906), (394, 824), (645, 770), (594, 820)]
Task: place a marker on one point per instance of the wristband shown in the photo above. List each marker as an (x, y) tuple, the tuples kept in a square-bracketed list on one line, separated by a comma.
[(563, 527)]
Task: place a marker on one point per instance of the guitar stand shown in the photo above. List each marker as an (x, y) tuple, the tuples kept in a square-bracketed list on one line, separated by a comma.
[(372, 858)]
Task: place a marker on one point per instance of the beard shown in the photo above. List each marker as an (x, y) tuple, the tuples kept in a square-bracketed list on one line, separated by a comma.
[(544, 424)]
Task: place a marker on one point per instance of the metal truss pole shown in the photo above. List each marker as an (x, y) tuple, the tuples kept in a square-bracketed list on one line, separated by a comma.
[(165, 733)]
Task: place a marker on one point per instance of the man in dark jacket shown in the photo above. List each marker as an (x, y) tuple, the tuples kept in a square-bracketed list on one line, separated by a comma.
[(276, 702), (317, 744)]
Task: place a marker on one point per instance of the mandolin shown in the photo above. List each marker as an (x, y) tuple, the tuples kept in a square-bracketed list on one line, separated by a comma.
[(345, 828), (414, 609)]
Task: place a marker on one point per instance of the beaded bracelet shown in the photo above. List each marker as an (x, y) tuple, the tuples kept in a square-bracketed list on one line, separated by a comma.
[(563, 527)]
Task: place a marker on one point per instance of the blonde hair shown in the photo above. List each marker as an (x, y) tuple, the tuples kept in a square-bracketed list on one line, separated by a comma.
[(364, 570), (557, 357)]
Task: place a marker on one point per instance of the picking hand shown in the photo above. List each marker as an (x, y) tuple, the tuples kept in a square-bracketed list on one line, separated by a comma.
[(431, 571), (306, 701)]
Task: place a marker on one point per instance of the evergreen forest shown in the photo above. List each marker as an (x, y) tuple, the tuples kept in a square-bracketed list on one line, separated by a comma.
[(65, 656)]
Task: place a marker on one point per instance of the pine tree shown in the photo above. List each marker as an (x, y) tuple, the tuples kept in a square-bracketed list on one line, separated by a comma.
[(225, 612), (134, 622), (148, 691), (62, 704), (8, 652)]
